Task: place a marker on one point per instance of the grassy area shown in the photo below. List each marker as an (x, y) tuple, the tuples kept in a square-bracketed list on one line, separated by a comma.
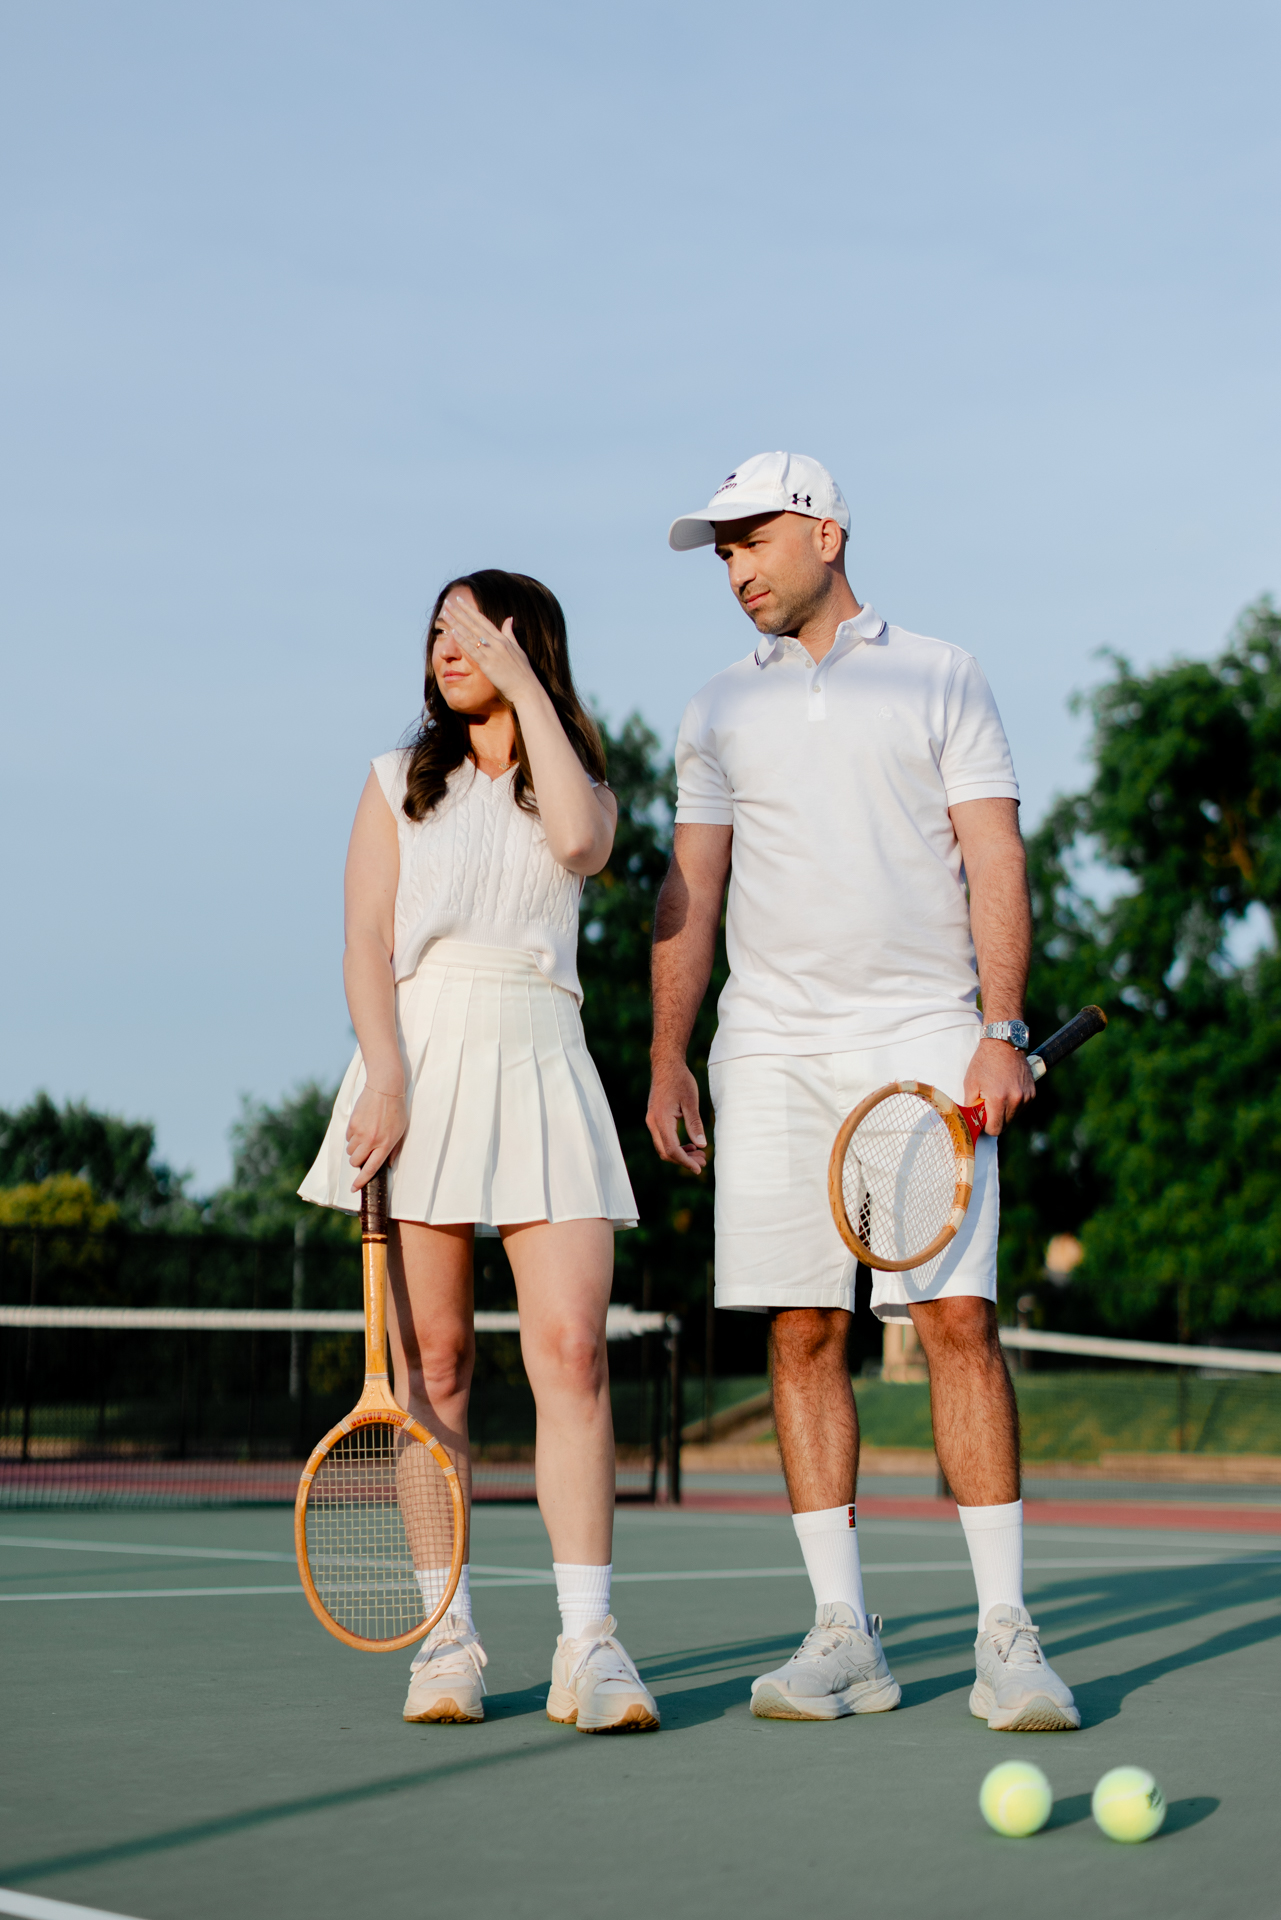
[(1072, 1415), (1079, 1416)]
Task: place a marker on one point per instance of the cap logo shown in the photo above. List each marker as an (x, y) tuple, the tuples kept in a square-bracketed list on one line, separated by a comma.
[(798, 497), (726, 483)]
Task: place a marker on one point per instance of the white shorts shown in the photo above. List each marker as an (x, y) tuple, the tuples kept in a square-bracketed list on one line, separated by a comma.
[(777, 1115)]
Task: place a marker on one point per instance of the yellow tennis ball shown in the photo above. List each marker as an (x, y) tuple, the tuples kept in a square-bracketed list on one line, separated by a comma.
[(1128, 1804), (1015, 1799)]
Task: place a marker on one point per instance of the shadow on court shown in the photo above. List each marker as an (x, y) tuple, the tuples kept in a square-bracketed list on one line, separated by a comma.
[(1074, 1808), (231, 1824), (1117, 1607), (186, 1759)]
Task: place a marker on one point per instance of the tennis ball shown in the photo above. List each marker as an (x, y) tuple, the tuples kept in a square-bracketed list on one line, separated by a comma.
[(1015, 1799), (1128, 1804)]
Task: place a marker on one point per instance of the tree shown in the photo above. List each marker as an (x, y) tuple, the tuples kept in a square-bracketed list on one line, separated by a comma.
[(116, 1157), (674, 1239), (59, 1201), (1161, 1142), (272, 1148)]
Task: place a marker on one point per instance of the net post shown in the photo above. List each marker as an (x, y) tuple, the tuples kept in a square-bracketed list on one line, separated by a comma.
[(674, 1397), (29, 1370), (709, 1353), (655, 1384), (298, 1299)]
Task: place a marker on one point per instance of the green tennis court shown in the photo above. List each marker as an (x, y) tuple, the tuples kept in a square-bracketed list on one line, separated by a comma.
[(182, 1739)]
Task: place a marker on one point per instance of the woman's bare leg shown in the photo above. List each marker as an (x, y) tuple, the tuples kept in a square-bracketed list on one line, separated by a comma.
[(563, 1277), (433, 1342)]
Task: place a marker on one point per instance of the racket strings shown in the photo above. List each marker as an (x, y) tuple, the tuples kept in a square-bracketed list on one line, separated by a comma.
[(899, 1177), (379, 1512)]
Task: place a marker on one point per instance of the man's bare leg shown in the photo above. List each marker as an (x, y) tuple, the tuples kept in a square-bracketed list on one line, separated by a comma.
[(976, 1434), (814, 1412), (976, 1417), (839, 1667)]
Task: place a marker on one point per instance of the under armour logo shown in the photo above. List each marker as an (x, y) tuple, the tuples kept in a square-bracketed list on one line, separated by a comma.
[(796, 500)]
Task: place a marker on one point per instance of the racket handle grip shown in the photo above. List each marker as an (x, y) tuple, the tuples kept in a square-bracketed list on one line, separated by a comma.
[(373, 1207), (1081, 1027)]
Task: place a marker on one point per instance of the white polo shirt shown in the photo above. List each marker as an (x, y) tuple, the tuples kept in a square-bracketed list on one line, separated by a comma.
[(848, 922)]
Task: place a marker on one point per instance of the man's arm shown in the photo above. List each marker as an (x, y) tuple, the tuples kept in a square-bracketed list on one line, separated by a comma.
[(1001, 922), (686, 919)]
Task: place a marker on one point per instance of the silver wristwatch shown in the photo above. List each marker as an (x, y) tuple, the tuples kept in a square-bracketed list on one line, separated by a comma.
[(1015, 1031)]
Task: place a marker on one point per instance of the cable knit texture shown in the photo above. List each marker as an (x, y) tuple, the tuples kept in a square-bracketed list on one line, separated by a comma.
[(479, 869)]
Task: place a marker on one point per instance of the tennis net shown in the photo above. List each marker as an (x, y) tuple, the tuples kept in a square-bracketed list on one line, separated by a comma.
[(105, 1404)]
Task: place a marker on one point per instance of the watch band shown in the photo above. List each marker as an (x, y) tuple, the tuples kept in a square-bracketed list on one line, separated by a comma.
[(1015, 1031)]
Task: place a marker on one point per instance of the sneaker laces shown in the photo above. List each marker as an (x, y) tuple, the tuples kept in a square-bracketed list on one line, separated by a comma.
[(451, 1647), (822, 1640), (829, 1637), (614, 1662), (1016, 1643)]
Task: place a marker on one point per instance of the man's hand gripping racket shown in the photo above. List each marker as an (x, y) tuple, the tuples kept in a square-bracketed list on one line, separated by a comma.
[(380, 1528), (902, 1169)]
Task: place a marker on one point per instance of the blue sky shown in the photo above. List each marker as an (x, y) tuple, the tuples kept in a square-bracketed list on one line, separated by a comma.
[(308, 306)]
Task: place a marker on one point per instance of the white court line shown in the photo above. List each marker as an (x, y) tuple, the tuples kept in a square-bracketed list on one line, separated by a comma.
[(536, 1579), (124, 1546), (33, 1906), (147, 1593)]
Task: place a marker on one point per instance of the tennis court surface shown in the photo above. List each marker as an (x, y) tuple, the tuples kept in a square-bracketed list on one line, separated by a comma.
[(182, 1740)]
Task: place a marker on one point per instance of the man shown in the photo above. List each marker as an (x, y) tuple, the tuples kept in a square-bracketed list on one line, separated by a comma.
[(849, 780)]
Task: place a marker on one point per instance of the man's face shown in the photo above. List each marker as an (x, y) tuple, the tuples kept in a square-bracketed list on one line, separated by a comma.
[(777, 568)]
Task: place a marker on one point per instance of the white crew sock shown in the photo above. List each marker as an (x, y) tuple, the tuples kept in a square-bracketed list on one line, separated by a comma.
[(994, 1536), (582, 1594), (829, 1541), (434, 1580)]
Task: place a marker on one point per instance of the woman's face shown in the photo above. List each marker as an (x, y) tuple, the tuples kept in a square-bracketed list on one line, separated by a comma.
[(465, 688)]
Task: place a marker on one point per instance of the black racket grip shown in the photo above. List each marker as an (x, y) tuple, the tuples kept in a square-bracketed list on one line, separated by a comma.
[(1081, 1027), (373, 1206)]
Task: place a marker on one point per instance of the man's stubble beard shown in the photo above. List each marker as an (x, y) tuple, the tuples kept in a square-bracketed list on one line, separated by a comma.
[(793, 612)]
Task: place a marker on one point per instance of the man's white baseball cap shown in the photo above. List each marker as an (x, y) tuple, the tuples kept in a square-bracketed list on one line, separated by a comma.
[(767, 483)]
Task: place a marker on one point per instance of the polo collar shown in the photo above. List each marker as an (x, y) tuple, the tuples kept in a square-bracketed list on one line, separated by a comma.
[(867, 626)]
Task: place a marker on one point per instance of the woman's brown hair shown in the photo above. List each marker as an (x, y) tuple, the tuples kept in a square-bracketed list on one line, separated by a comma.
[(442, 743)]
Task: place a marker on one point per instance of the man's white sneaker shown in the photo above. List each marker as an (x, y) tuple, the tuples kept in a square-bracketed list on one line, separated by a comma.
[(837, 1669), (1017, 1690), (446, 1682), (595, 1686)]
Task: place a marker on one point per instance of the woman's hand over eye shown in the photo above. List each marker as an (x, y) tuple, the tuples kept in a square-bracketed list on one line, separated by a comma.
[(496, 651)]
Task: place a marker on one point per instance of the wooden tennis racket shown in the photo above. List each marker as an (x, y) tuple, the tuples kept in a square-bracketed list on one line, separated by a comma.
[(902, 1169), (380, 1528)]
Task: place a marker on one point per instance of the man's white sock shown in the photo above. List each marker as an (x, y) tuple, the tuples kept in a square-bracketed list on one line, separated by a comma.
[(434, 1580), (829, 1541), (582, 1594), (994, 1536)]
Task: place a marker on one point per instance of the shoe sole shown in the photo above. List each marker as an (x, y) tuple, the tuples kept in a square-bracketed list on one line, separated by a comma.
[(562, 1708), (1037, 1714), (446, 1712), (769, 1704)]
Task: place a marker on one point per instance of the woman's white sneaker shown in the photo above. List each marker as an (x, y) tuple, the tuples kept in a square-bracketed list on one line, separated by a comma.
[(1017, 1690), (837, 1669), (446, 1682), (595, 1686)]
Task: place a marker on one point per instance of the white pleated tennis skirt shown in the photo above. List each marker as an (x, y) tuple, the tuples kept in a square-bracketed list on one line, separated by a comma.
[(508, 1121)]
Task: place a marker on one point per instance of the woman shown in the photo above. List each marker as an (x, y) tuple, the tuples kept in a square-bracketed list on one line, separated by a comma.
[(466, 863)]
